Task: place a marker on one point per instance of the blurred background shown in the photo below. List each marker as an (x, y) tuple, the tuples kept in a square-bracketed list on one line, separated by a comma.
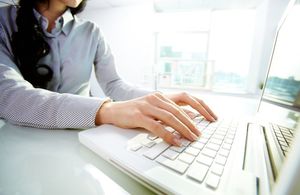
[(196, 45), (200, 46)]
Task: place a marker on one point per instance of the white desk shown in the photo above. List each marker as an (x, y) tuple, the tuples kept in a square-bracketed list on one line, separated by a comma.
[(38, 161), (53, 162)]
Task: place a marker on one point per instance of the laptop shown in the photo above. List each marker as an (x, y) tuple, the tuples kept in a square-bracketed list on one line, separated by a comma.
[(257, 155)]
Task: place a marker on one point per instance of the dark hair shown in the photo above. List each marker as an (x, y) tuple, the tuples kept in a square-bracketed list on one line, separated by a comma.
[(29, 45)]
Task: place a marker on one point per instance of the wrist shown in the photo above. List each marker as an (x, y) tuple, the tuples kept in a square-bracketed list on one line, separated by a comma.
[(102, 115)]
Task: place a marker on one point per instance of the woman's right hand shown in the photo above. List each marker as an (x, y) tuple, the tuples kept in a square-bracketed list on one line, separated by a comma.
[(149, 112)]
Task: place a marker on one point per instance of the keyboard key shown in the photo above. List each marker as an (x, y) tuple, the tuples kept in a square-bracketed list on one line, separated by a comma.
[(284, 148), (187, 158), (152, 137), (223, 128), (232, 132), (283, 143), (281, 139), (184, 142), (205, 160), (228, 141), (210, 128), (226, 146), (148, 143), (288, 136), (197, 145), (136, 147), (221, 160), (213, 146), (289, 140), (230, 136), (216, 141), (175, 165), (221, 133), (277, 132), (217, 169), (177, 149), (202, 140), (201, 127), (197, 172), (156, 150), (284, 129), (206, 135), (212, 181), (224, 152), (209, 152), (192, 151), (220, 137), (170, 154), (279, 135)]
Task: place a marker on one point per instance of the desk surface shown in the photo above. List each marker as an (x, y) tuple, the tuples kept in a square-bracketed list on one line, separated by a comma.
[(38, 161)]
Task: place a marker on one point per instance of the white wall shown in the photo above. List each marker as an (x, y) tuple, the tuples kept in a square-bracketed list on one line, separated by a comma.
[(128, 31)]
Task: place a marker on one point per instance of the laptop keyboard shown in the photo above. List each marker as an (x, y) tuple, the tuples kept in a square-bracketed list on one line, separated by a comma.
[(284, 137), (202, 160)]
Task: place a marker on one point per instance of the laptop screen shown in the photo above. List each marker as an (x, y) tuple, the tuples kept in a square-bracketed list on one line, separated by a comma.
[(281, 97)]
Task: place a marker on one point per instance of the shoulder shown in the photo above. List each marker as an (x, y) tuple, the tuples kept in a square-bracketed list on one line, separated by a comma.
[(8, 14), (87, 25), (7, 20)]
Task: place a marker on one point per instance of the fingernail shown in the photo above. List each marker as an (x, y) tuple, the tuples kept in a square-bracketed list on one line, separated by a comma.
[(194, 137), (177, 141), (198, 132)]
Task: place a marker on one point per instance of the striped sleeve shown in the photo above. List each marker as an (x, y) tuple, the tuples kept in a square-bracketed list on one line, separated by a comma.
[(22, 104)]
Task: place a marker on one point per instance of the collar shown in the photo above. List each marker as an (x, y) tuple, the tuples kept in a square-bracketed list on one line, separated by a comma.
[(67, 18), (61, 23)]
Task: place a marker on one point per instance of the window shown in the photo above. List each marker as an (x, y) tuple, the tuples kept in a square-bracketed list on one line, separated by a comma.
[(204, 49), (182, 59)]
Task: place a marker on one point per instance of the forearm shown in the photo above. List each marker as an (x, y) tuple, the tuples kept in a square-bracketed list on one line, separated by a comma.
[(22, 104)]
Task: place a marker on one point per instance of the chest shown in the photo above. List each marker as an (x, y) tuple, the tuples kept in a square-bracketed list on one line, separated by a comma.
[(71, 58)]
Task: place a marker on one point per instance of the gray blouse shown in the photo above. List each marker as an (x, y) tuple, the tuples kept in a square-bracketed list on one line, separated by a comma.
[(76, 47)]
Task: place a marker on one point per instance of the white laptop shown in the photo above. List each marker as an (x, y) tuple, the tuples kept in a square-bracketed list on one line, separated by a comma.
[(232, 156)]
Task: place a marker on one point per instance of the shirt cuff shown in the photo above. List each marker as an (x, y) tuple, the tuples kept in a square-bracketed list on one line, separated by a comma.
[(78, 112)]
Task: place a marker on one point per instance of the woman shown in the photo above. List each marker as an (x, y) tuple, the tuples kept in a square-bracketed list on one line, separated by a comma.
[(46, 59)]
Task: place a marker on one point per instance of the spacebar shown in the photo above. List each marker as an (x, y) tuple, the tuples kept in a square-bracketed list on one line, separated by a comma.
[(156, 150)]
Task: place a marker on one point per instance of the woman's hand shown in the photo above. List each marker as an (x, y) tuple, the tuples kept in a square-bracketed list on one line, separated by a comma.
[(152, 110), (185, 99)]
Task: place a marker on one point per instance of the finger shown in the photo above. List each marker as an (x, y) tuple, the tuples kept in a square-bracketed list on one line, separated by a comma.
[(191, 114), (170, 120), (174, 104), (158, 129), (168, 105), (207, 108), (198, 105)]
